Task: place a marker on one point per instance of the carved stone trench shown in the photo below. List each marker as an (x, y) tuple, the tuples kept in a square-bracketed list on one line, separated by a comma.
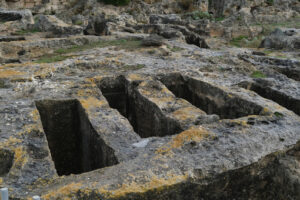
[(75, 145), (107, 132)]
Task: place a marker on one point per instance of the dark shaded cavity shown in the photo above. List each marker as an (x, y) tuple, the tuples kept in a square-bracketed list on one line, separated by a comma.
[(196, 40), (3, 83), (293, 73), (209, 98), (11, 38), (145, 117), (74, 144), (6, 161), (274, 95), (6, 17)]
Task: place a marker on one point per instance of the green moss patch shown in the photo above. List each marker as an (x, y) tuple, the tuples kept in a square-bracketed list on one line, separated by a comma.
[(63, 53), (133, 67), (258, 74), (26, 32)]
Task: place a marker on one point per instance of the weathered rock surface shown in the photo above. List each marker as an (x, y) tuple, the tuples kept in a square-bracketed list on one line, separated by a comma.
[(36, 6), (57, 27), (119, 113), (12, 15), (153, 40), (148, 133), (165, 19), (12, 51), (282, 39)]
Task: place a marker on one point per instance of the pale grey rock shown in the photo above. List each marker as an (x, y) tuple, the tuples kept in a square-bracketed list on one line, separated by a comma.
[(50, 23)]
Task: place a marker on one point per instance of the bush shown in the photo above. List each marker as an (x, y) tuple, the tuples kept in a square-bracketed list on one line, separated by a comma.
[(25, 32), (219, 19), (117, 2), (237, 41), (199, 15), (258, 74), (270, 2)]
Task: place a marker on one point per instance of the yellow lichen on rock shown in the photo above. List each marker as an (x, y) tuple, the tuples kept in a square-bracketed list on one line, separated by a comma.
[(20, 158), (10, 65), (89, 88), (187, 113), (44, 71), (86, 92), (10, 73), (147, 93), (92, 102), (30, 128), (162, 102), (66, 192), (192, 134), (239, 122), (35, 115), (166, 91), (154, 183), (265, 111), (195, 133), (135, 77), (10, 141)]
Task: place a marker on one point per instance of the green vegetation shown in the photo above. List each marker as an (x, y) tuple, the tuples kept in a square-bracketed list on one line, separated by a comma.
[(174, 48), (78, 22), (117, 2), (238, 40), (268, 52), (219, 19), (122, 44), (278, 114), (258, 74), (25, 32), (270, 2), (133, 67), (239, 18), (281, 56), (61, 54), (200, 15), (51, 58), (196, 15), (292, 23), (2, 84), (221, 69), (245, 41)]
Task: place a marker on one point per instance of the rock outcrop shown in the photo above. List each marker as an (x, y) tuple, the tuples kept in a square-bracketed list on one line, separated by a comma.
[(13, 15), (282, 39), (57, 27)]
